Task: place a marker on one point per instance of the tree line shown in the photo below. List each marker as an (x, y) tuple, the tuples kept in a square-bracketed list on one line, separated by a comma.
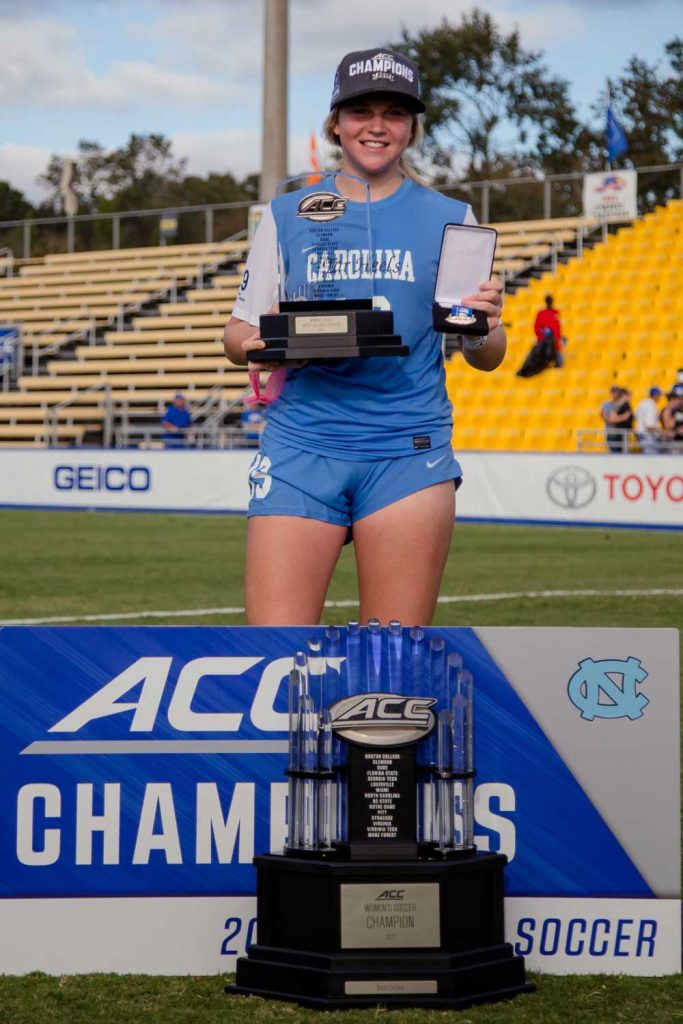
[(494, 111)]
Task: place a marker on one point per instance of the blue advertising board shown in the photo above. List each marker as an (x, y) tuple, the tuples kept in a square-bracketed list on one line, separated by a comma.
[(144, 762)]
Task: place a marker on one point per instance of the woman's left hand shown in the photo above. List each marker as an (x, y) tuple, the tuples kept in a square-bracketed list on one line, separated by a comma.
[(489, 298)]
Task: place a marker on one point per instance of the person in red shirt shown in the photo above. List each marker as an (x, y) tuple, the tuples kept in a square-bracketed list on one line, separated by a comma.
[(547, 329)]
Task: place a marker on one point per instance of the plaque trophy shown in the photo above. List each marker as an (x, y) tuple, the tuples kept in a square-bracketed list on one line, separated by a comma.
[(380, 896), (465, 260), (326, 302)]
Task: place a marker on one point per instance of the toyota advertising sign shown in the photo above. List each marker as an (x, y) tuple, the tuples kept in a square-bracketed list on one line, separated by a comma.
[(143, 768)]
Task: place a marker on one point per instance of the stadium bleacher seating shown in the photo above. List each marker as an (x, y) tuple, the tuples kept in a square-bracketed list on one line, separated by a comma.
[(135, 362), (621, 309), (124, 330), (522, 243)]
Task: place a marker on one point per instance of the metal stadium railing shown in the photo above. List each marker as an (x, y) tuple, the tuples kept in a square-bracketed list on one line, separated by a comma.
[(479, 193)]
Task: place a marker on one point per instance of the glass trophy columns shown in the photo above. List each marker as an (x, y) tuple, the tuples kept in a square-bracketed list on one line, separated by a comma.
[(465, 261), (379, 896), (327, 267)]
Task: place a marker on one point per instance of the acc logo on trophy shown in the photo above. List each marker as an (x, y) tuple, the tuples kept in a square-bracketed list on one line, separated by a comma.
[(382, 719), (593, 690), (322, 206)]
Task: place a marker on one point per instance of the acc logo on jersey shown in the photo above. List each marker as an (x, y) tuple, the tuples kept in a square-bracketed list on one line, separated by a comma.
[(382, 719), (594, 689), (322, 206), (260, 480)]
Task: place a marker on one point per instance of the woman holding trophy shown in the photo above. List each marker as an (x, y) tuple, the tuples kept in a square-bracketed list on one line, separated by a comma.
[(357, 448)]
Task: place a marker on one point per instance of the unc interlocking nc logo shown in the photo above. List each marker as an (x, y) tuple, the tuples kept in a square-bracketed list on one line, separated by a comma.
[(593, 690)]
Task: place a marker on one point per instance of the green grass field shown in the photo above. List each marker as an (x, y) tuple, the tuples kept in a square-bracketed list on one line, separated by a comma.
[(76, 565)]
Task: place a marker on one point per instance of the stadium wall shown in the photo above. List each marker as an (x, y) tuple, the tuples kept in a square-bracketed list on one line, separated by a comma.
[(555, 488), (143, 767)]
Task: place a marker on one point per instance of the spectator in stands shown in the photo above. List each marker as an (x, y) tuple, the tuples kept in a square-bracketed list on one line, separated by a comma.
[(547, 348), (175, 422), (361, 445), (647, 422), (618, 417), (671, 418), (549, 332)]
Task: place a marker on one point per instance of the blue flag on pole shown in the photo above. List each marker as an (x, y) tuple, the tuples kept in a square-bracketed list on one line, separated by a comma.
[(616, 139)]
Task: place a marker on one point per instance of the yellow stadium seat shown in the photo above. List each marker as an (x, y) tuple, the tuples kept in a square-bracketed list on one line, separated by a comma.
[(622, 310)]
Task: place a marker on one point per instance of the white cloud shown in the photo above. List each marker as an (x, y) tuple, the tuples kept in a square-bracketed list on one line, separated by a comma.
[(20, 165), (228, 38), (238, 152), (543, 25), (322, 34), (213, 36), (211, 52), (43, 67), (137, 78)]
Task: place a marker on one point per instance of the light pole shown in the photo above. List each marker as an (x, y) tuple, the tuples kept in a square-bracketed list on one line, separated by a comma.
[(274, 129)]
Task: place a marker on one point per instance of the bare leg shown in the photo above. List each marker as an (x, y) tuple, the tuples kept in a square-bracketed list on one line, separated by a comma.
[(290, 561), (401, 553)]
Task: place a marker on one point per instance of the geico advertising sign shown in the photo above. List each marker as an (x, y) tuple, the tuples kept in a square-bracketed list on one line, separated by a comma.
[(149, 762), (186, 480)]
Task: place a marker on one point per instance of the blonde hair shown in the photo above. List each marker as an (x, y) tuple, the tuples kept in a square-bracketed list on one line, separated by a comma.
[(405, 165)]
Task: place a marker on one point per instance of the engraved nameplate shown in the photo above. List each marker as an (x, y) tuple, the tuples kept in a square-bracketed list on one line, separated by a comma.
[(382, 794), (391, 986), (390, 915), (321, 324)]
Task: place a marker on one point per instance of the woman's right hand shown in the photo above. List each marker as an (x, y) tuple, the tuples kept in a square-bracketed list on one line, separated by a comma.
[(240, 338), (253, 344), (256, 342)]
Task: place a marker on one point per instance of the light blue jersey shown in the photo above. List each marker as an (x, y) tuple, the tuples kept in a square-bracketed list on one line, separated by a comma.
[(360, 409)]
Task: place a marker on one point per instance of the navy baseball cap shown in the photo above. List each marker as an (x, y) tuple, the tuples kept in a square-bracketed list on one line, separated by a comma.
[(655, 391), (370, 71), (676, 391)]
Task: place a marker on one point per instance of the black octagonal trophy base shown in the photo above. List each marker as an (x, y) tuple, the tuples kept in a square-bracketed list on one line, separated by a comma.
[(319, 329), (335, 934)]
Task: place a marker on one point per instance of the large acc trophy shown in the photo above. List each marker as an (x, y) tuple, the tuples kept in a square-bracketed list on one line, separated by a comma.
[(327, 267), (380, 897)]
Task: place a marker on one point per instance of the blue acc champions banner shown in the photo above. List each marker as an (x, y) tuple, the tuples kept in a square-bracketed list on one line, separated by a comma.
[(142, 769)]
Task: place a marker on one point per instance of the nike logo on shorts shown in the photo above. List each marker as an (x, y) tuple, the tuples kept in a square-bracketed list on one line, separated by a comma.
[(435, 462)]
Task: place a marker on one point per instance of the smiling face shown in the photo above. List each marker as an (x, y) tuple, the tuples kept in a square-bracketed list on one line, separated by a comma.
[(374, 132)]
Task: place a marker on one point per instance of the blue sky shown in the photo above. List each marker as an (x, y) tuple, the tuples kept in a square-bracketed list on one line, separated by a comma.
[(191, 69)]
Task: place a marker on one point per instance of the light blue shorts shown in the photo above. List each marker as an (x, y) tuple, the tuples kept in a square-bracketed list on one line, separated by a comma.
[(284, 481)]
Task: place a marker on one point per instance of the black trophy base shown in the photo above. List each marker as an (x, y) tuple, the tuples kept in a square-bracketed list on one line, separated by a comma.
[(314, 935), (338, 329), (329, 348)]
